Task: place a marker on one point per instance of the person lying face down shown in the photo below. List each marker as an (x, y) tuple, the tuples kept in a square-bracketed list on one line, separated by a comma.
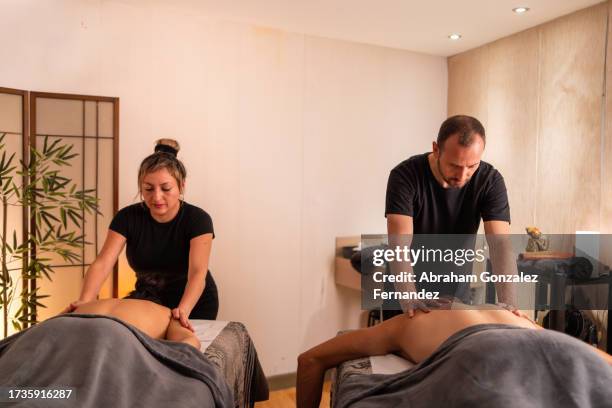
[(413, 338), (151, 318)]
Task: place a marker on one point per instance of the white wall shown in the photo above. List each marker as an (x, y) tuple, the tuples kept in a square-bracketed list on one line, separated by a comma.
[(288, 139)]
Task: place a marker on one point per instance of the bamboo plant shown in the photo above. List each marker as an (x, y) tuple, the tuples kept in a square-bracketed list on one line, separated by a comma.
[(55, 209)]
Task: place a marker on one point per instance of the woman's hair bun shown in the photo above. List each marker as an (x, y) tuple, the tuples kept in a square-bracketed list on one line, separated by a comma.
[(168, 146)]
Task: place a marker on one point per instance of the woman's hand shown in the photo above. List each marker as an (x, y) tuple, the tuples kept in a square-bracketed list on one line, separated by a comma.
[(183, 317), (72, 306)]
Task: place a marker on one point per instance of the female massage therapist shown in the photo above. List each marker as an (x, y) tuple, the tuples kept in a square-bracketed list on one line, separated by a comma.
[(168, 243)]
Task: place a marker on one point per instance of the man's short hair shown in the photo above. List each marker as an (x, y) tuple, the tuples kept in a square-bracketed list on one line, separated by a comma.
[(465, 126)]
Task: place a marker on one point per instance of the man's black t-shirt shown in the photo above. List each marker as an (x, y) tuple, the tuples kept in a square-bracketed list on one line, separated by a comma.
[(413, 190), (159, 252)]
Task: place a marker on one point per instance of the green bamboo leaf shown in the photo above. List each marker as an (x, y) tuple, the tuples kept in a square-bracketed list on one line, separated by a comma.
[(53, 146), (51, 216), (47, 235), (7, 171), (6, 185), (21, 308), (75, 217), (47, 275), (66, 151), (8, 163), (38, 304), (45, 218), (53, 149), (63, 215)]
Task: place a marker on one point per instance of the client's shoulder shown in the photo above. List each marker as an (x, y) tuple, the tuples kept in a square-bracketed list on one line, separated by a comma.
[(146, 306)]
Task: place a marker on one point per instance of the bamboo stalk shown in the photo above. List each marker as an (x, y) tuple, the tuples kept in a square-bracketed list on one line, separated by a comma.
[(5, 273)]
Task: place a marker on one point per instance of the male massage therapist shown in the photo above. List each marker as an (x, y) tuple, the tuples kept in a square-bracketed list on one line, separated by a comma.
[(448, 191)]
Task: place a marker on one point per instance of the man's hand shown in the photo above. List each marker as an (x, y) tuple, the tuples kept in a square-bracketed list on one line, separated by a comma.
[(183, 317), (514, 311), (410, 306)]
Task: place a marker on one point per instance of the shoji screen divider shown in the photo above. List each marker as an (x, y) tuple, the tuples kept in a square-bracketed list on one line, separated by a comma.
[(91, 125)]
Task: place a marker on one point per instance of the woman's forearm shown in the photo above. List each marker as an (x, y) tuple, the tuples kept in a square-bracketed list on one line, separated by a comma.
[(196, 283), (95, 277)]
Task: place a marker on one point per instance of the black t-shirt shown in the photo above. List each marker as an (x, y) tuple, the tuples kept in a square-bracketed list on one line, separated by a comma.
[(160, 251), (413, 190)]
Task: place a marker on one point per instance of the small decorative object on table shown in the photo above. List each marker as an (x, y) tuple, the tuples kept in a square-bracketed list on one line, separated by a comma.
[(537, 241)]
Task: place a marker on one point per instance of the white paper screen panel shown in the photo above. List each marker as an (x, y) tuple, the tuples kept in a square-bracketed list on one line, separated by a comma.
[(88, 125), (11, 125)]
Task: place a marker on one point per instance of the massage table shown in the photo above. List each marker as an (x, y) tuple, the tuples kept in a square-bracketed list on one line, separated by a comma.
[(107, 362), (485, 365), (229, 347), (387, 364)]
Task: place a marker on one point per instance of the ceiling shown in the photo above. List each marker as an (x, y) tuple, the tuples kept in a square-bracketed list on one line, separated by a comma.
[(406, 24)]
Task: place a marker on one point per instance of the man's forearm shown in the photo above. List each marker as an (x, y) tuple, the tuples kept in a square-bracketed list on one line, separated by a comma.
[(396, 267), (503, 261), (506, 293)]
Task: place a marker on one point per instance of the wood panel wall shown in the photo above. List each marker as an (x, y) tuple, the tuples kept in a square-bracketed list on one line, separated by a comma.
[(539, 95), (606, 162)]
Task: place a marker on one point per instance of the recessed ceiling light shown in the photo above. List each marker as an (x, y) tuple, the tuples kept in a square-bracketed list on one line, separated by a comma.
[(455, 37), (520, 10)]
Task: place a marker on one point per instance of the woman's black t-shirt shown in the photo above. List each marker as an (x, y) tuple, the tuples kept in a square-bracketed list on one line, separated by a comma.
[(159, 252)]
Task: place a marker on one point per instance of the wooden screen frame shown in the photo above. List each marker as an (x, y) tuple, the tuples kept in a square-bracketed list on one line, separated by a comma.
[(25, 154), (32, 139)]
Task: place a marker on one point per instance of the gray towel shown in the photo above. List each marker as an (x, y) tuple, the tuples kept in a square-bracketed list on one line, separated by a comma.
[(109, 364), (492, 365)]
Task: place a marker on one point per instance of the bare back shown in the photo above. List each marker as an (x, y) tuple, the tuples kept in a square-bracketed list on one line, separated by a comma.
[(149, 317), (421, 335)]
